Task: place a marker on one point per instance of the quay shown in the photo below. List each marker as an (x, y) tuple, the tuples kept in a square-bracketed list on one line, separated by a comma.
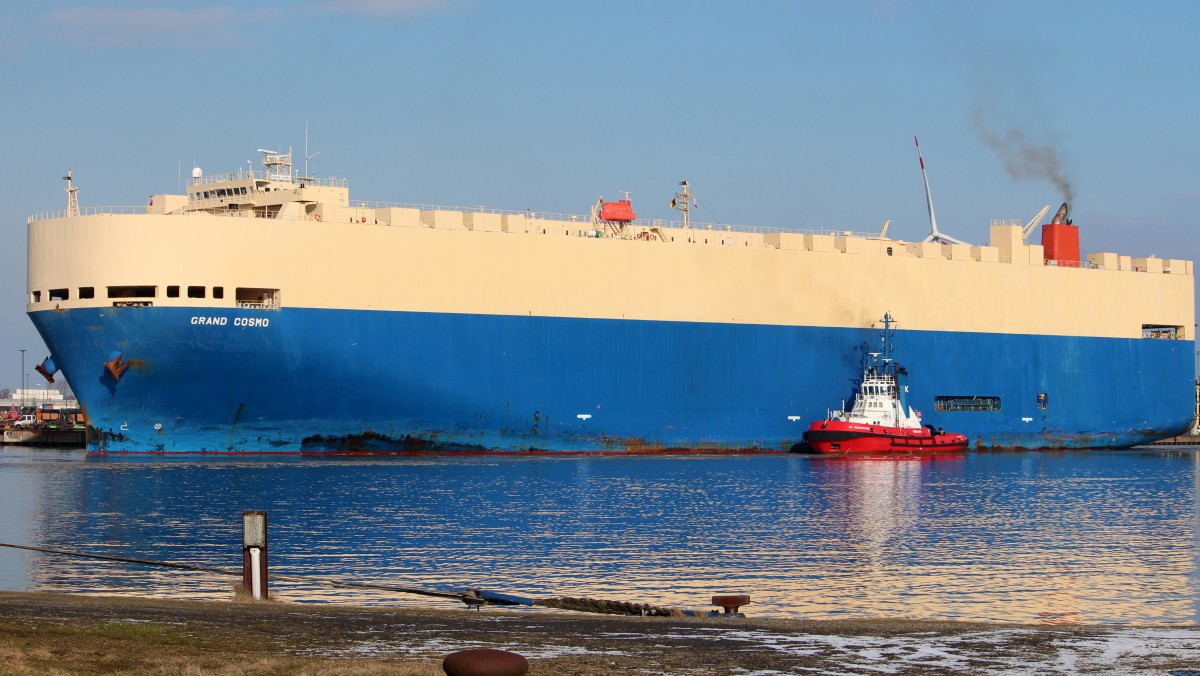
[(63, 633), (43, 436), (1189, 439)]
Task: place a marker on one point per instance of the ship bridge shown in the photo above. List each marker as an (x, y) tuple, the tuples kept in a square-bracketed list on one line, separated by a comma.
[(273, 192)]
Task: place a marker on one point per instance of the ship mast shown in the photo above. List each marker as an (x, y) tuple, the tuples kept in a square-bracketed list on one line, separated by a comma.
[(278, 165), (887, 336), (682, 201), (72, 196)]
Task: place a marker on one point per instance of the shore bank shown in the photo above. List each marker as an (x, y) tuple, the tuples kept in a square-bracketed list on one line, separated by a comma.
[(56, 633)]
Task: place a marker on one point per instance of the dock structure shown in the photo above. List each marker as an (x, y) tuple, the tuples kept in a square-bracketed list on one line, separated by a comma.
[(54, 423), (43, 436)]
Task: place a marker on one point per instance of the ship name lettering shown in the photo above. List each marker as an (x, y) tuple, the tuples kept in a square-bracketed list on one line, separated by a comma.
[(210, 321), (251, 321)]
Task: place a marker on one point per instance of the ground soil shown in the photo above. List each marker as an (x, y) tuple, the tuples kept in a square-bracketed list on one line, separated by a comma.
[(69, 634)]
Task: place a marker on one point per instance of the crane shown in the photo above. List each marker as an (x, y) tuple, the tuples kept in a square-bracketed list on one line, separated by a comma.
[(1033, 223)]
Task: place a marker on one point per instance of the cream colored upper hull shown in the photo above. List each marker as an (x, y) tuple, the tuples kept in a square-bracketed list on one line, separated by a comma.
[(752, 279)]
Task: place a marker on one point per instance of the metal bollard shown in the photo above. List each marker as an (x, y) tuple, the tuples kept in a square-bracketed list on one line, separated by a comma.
[(485, 662), (254, 553), (730, 602)]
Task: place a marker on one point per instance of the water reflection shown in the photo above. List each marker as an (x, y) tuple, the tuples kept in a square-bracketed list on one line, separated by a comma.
[(1030, 537)]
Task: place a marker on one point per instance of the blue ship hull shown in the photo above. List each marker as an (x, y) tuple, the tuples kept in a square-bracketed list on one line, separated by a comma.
[(308, 380)]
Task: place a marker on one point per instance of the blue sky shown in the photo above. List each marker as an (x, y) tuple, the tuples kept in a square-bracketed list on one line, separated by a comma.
[(779, 113)]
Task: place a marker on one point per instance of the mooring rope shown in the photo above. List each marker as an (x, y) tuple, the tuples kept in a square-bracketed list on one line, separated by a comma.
[(238, 573), (123, 559), (605, 607), (475, 596)]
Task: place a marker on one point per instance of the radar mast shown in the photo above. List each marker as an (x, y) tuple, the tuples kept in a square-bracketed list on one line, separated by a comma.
[(682, 201), (279, 165), (72, 196)]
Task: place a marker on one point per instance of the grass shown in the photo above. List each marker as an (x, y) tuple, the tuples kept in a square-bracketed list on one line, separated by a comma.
[(46, 647)]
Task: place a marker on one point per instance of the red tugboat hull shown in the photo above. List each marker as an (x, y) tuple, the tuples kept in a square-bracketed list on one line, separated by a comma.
[(836, 436)]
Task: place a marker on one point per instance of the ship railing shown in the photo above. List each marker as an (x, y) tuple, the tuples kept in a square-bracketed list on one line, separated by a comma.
[(753, 229), (207, 203), (641, 222), (1087, 265), (86, 211), (648, 223), (477, 209), (245, 175)]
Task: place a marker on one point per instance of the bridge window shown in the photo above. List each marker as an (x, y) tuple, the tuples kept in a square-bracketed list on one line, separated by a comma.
[(966, 403), (173, 291), (60, 294), (87, 292), (218, 292), (195, 292)]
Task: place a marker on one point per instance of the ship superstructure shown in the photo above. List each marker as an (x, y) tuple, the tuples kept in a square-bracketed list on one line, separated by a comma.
[(265, 311)]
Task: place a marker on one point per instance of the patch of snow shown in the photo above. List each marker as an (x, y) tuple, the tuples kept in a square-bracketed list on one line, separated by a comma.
[(1109, 650)]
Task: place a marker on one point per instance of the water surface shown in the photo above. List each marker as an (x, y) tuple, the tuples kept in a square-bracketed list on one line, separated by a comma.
[(1017, 537)]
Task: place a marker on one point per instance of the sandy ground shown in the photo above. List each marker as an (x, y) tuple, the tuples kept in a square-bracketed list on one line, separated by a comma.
[(52, 633)]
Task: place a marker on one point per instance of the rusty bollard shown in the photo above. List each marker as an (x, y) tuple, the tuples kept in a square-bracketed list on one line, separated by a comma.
[(731, 602), (472, 599), (484, 662)]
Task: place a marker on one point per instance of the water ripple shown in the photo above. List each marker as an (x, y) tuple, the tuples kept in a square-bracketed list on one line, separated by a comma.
[(1020, 537)]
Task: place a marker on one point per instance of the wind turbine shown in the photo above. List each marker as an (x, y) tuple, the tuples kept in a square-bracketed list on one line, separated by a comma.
[(934, 235)]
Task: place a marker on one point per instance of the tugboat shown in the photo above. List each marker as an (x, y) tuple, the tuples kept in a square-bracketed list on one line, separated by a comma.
[(881, 421)]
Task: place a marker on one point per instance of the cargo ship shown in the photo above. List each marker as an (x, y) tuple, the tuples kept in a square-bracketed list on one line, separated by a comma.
[(267, 311)]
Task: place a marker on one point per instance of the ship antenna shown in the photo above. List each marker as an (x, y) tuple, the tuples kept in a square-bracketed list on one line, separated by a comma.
[(307, 157), (682, 202), (887, 335), (72, 196), (934, 235)]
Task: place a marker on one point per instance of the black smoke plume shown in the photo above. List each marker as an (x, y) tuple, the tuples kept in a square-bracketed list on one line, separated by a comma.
[(1023, 157)]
